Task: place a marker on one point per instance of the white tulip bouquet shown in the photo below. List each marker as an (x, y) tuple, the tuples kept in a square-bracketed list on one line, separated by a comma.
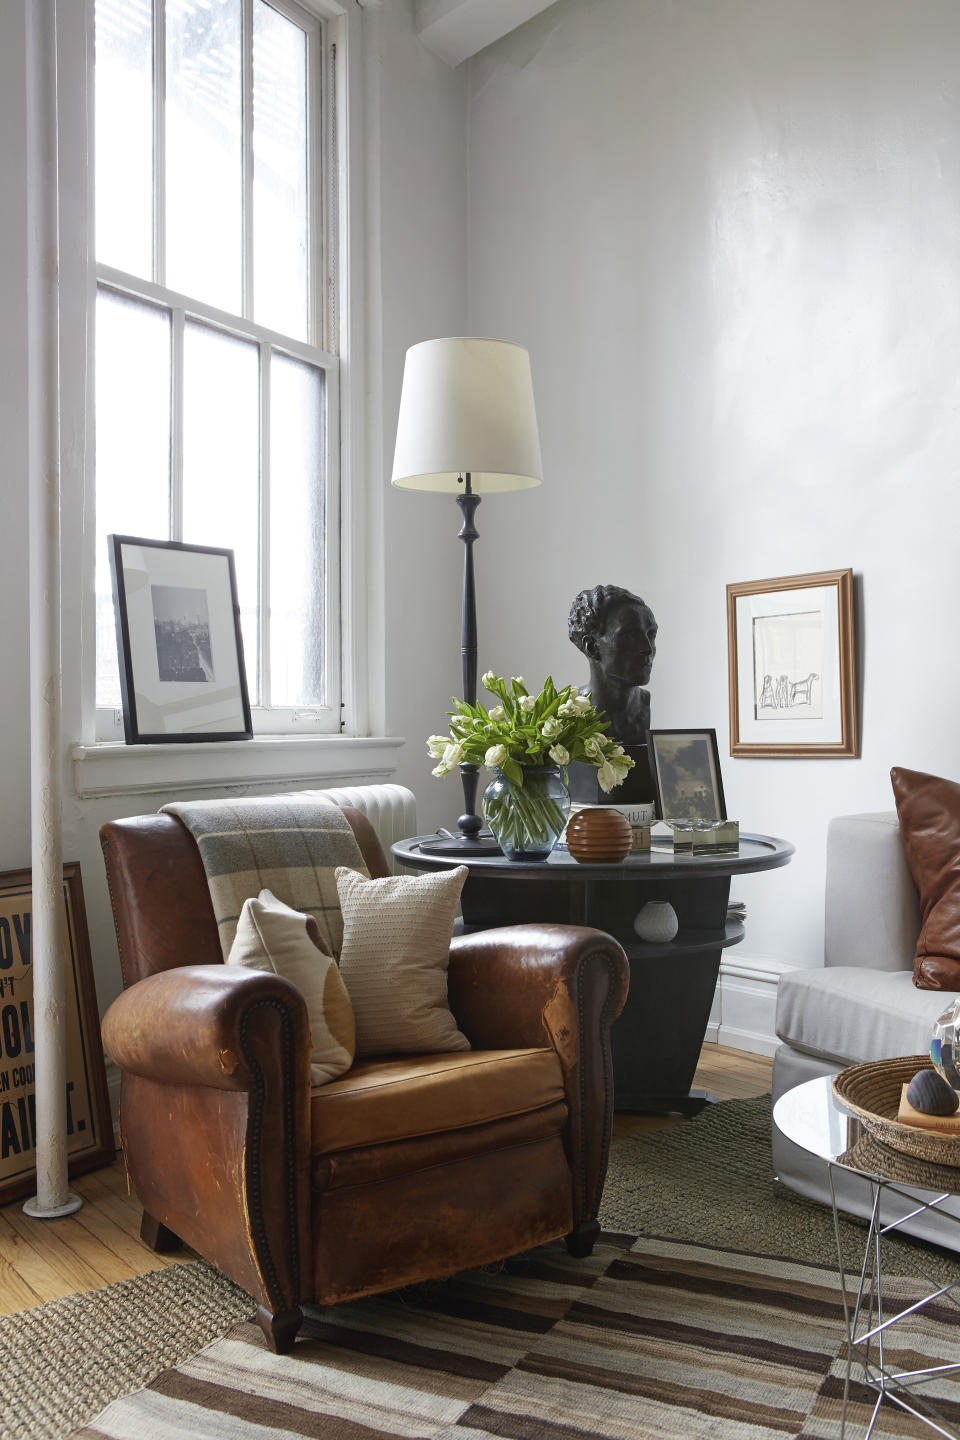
[(552, 728)]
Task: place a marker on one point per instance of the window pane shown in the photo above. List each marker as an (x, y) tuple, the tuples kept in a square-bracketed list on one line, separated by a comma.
[(279, 172), (124, 131), (133, 449), (221, 462), (297, 529), (203, 156)]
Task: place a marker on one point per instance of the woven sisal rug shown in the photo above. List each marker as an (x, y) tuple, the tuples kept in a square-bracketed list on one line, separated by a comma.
[(707, 1182)]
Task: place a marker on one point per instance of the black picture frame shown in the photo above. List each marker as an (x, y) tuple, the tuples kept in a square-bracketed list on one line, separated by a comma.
[(674, 798), (179, 643)]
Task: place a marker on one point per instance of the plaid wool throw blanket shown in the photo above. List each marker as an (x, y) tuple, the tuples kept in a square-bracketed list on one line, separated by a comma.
[(290, 844)]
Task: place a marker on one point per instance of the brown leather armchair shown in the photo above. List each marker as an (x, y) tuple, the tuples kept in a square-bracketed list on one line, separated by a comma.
[(407, 1167)]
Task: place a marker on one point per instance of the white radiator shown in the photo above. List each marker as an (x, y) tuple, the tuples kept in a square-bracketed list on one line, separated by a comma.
[(391, 810)]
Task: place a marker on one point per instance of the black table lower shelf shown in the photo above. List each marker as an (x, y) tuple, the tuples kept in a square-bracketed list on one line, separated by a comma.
[(656, 1042)]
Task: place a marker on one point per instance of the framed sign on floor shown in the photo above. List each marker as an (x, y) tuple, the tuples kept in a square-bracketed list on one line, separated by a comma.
[(89, 1126)]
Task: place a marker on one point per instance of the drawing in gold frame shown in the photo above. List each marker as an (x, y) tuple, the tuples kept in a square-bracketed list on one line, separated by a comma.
[(792, 667), (90, 1142)]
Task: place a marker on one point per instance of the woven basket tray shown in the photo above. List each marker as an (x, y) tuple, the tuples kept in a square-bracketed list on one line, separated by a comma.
[(875, 1158), (872, 1092)]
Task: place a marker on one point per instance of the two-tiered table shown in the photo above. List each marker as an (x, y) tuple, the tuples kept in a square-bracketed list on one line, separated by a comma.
[(657, 1040)]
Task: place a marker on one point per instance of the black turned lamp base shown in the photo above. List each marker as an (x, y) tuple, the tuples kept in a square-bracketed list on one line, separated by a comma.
[(482, 843), (469, 838)]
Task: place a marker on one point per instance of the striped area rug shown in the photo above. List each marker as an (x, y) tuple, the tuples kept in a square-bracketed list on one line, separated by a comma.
[(647, 1338)]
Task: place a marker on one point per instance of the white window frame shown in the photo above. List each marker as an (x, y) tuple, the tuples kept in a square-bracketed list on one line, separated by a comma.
[(330, 329)]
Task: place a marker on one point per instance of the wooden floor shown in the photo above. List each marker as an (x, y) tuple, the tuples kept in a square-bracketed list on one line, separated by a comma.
[(47, 1259), (727, 1074)]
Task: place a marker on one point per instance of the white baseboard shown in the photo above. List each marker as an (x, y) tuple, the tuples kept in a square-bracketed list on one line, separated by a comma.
[(745, 1004)]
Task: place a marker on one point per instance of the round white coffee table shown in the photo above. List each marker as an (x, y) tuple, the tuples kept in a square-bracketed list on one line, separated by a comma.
[(812, 1117)]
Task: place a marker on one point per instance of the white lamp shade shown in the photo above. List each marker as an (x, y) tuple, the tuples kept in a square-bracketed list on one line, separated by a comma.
[(467, 405)]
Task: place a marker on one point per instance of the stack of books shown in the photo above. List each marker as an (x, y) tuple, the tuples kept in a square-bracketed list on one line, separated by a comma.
[(641, 815)]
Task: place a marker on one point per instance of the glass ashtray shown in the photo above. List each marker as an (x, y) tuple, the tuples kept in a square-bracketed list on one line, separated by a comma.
[(716, 837), (705, 837), (682, 836)]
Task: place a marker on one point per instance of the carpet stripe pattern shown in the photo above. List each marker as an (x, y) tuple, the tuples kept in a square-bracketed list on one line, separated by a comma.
[(646, 1340)]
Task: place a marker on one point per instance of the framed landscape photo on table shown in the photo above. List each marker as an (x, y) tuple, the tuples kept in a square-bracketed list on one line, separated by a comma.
[(685, 766), (182, 675), (792, 668)]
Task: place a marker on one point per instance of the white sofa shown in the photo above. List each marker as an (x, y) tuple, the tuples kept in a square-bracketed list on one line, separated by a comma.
[(863, 1004)]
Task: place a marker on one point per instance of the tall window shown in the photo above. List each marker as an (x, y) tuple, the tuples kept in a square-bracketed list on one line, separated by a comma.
[(216, 385)]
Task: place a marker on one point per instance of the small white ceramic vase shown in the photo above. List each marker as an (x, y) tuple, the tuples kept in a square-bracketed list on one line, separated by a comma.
[(657, 922)]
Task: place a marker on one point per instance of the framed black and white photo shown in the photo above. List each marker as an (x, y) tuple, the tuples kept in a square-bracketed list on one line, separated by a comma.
[(685, 766), (792, 669), (178, 637)]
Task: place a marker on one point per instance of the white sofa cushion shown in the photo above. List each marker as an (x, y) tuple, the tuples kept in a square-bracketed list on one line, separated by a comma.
[(872, 906), (846, 1014)]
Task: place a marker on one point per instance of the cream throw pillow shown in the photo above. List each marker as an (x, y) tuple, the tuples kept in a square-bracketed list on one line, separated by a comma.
[(273, 937), (396, 950)]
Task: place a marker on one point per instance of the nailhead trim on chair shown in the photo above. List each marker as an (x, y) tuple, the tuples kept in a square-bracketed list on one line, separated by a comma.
[(591, 1204), (254, 1137), (105, 849)]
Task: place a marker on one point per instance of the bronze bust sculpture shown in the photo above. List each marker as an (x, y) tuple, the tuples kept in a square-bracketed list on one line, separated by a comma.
[(617, 632)]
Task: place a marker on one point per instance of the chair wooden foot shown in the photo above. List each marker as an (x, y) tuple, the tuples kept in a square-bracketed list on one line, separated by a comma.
[(280, 1330), (582, 1238), (157, 1236)]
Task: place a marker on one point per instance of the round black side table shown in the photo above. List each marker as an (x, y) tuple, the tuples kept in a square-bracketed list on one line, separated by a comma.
[(657, 1040)]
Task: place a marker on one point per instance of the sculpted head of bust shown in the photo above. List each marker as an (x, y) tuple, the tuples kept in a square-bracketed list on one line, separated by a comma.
[(617, 632)]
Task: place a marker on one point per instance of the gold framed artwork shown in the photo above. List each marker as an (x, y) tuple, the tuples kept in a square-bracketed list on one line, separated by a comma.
[(792, 667), (89, 1125)]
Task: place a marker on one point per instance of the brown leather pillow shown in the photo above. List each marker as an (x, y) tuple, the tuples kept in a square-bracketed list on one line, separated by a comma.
[(929, 812)]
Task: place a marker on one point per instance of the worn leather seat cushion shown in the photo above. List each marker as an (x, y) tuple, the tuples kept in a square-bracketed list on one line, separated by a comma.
[(406, 1096)]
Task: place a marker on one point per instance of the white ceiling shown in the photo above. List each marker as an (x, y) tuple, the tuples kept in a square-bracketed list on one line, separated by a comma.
[(457, 29)]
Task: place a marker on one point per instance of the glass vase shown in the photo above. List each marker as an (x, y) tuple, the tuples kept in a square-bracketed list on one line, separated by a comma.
[(527, 819), (945, 1045)]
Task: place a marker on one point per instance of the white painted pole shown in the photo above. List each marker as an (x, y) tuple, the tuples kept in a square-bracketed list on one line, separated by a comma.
[(43, 361)]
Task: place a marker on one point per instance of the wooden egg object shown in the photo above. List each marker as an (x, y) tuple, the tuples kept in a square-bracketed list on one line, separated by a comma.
[(929, 1093), (599, 836)]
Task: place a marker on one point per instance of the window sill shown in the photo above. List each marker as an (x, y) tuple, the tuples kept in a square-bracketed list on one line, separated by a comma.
[(296, 761)]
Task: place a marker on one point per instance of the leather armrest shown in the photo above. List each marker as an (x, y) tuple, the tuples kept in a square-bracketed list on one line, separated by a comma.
[(523, 985), (559, 985), (215, 1119), (193, 1025)]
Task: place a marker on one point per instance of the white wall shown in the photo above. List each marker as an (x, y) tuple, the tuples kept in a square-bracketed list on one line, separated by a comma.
[(728, 231), (423, 294), (414, 117), (14, 690)]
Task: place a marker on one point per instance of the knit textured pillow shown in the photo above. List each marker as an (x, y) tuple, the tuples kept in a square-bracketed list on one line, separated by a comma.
[(396, 950), (273, 937), (929, 812)]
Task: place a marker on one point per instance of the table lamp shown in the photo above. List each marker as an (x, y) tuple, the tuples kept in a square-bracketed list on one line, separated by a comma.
[(467, 426)]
